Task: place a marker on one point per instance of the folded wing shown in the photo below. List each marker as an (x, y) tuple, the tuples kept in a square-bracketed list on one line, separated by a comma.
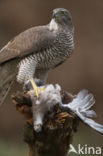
[(30, 41)]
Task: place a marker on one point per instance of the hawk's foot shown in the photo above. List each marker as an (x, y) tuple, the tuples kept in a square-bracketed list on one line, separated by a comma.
[(34, 84)]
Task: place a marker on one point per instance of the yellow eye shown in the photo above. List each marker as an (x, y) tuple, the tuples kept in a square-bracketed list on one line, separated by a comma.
[(63, 12)]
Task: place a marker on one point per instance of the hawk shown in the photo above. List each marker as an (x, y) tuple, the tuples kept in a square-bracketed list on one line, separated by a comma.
[(32, 53)]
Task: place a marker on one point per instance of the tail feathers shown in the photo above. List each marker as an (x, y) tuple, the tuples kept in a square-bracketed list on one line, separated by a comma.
[(4, 90), (7, 77)]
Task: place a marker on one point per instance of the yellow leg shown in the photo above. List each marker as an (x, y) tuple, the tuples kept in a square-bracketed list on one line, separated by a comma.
[(35, 87)]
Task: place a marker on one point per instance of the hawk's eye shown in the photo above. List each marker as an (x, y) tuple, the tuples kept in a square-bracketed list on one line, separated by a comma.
[(63, 12)]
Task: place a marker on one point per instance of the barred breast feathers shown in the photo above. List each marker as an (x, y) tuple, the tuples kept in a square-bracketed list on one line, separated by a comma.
[(26, 69), (50, 57)]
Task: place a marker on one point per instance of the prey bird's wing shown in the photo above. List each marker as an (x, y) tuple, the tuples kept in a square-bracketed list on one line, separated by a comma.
[(30, 41)]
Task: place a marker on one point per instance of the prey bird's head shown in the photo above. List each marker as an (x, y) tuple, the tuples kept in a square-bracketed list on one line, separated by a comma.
[(62, 17)]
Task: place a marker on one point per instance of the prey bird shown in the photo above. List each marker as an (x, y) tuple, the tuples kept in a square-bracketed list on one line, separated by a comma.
[(31, 54)]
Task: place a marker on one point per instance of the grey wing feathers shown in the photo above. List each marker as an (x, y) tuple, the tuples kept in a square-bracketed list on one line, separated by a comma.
[(32, 40)]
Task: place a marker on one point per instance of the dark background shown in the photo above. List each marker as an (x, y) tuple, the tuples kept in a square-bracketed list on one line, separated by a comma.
[(83, 70)]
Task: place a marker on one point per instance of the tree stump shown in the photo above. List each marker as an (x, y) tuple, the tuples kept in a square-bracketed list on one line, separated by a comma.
[(57, 131)]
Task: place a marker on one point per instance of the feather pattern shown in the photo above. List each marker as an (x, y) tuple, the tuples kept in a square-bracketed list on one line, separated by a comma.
[(30, 41), (81, 105), (47, 58)]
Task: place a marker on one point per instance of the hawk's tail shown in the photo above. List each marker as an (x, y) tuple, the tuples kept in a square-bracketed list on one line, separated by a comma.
[(7, 77)]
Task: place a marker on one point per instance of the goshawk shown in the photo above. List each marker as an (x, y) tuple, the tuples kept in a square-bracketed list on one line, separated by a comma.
[(35, 51)]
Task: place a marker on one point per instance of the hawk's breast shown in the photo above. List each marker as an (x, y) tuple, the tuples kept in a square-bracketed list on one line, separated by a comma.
[(60, 50), (47, 58)]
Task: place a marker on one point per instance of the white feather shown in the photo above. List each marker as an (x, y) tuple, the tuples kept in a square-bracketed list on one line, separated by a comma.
[(81, 105), (53, 25)]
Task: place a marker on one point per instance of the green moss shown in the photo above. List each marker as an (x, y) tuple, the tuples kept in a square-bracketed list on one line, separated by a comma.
[(12, 148)]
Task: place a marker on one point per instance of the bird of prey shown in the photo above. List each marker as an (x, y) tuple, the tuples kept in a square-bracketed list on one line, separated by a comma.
[(31, 54)]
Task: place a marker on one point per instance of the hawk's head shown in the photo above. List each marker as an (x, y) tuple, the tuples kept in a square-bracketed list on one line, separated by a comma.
[(62, 16)]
